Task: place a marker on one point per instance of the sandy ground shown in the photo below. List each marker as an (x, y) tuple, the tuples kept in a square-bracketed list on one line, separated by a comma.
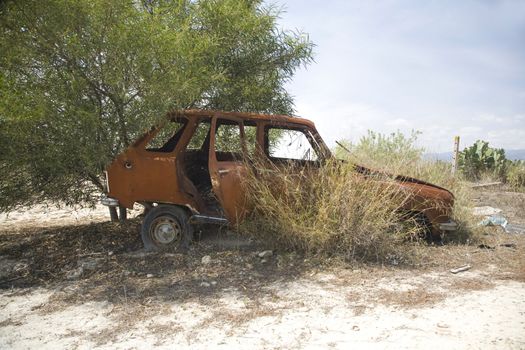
[(304, 314), (122, 298)]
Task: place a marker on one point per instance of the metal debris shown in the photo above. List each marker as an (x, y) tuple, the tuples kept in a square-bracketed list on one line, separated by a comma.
[(495, 220), (485, 211), (206, 260), (496, 183), (265, 254), (514, 228), (461, 269)]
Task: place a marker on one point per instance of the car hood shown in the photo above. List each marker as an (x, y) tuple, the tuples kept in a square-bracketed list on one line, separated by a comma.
[(399, 178)]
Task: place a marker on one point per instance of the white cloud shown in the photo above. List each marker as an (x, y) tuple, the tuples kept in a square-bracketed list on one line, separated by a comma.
[(444, 68)]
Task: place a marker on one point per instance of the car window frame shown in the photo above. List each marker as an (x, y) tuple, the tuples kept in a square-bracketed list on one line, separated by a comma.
[(307, 132)]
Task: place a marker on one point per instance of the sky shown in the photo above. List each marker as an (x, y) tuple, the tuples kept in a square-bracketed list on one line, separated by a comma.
[(444, 67)]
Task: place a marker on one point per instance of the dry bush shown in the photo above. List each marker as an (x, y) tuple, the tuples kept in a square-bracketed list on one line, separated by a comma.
[(332, 210), (399, 154), (516, 175), (328, 210), (440, 173)]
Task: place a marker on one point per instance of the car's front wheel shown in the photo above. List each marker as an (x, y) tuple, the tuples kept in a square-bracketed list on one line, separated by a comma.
[(166, 227)]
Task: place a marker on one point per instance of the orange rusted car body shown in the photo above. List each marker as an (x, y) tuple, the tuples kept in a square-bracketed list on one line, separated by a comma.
[(165, 175)]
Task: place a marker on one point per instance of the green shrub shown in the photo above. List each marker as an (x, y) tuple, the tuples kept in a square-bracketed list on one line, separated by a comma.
[(382, 151), (398, 154), (480, 158)]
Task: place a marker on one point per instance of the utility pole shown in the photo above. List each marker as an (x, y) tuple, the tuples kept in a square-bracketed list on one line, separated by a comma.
[(455, 155)]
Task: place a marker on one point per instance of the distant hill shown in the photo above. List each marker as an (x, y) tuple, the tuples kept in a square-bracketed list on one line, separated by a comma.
[(445, 156), (515, 154), (512, 154)]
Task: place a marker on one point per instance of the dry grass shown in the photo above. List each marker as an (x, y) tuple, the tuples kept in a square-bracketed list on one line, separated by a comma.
[(330, 210), (412, 164), (414, 298)]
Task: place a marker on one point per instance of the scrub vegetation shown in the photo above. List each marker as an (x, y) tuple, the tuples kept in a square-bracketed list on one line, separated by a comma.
[(333, 210), (485, 163), (516, 175), (397, 153)]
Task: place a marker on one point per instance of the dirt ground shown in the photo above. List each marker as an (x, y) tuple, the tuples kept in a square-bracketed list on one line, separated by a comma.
[(70, 279)]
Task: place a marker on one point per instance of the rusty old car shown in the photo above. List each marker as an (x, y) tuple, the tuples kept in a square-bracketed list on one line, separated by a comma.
[(188, 171)]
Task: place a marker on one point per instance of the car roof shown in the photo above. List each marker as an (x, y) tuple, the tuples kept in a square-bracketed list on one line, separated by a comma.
[(279, 118)]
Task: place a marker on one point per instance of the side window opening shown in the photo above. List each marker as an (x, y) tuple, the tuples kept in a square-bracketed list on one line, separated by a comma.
[(198, 140), (195, 163), (228, 143), (289, 144), (167, 137)]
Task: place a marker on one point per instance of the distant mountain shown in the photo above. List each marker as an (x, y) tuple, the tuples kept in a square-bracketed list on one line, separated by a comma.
[(512, 154), (515, 154), (445, 156)]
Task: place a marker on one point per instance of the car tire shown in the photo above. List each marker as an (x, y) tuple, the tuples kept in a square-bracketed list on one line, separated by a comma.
[(417, 221), (424, 226), (166, 228)]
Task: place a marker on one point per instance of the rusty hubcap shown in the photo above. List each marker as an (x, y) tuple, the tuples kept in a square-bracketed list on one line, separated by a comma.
[(165, 230)]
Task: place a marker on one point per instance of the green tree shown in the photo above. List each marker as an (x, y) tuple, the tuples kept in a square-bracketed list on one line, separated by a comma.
[(81, 79)]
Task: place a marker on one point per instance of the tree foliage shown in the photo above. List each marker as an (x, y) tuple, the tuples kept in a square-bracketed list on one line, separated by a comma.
[(80, 80)]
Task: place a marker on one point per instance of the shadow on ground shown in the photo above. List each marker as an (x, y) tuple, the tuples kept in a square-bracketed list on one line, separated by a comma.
[(105, 262)]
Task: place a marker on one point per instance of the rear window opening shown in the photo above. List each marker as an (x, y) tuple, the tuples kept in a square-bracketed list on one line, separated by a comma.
[(167, 136)]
